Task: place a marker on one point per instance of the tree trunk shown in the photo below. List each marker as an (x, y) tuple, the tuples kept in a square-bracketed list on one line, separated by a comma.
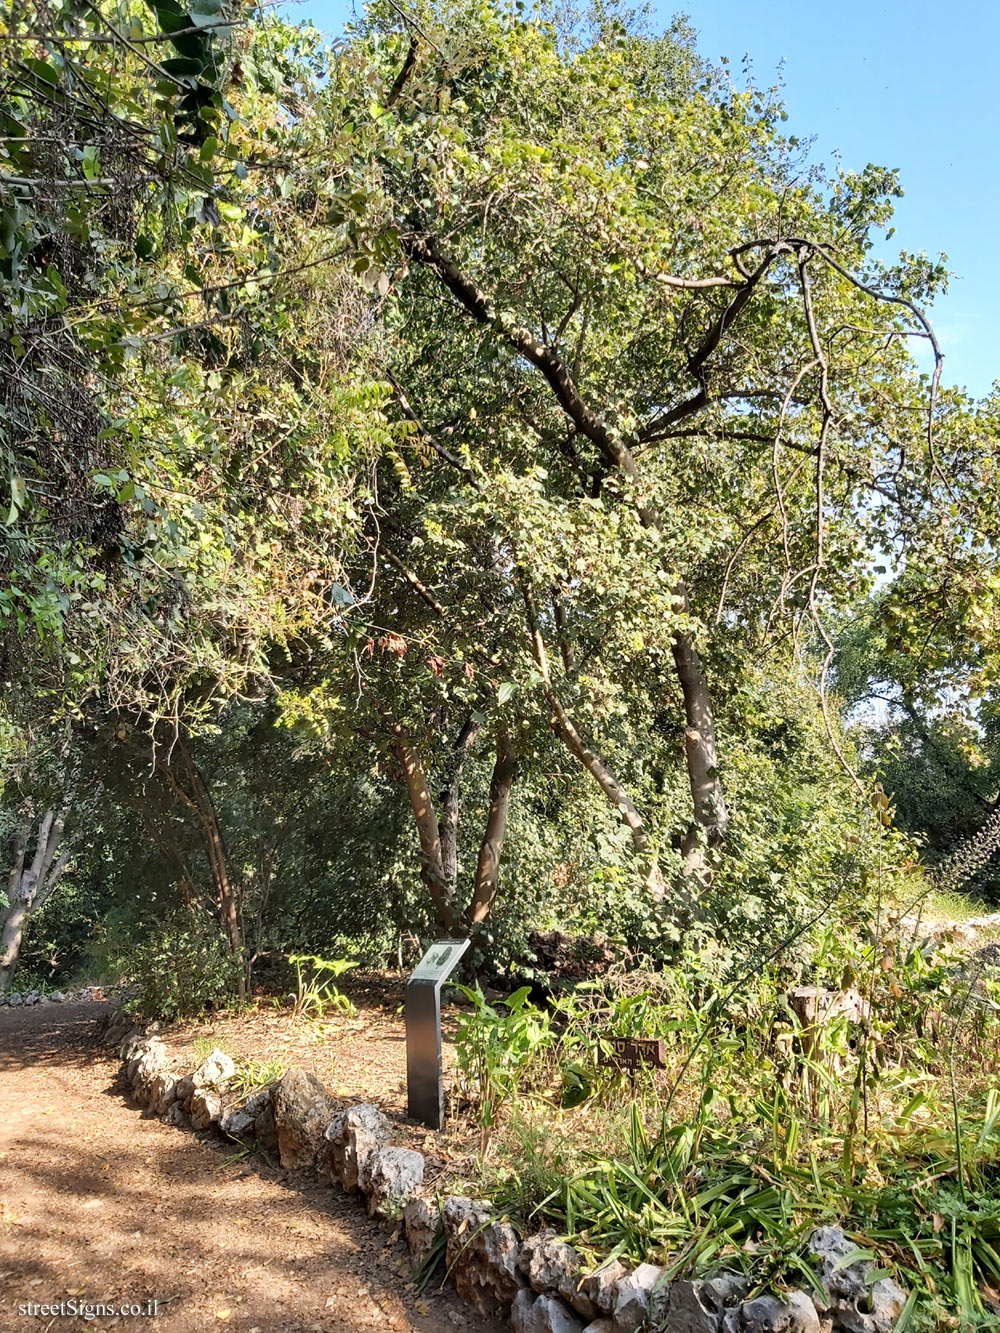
[(491, 848), (450, 797), (595, 764), (194, 792), (707, 830), (710, 817), (10, 940), (31, 886), (432, 871), (215, 846)]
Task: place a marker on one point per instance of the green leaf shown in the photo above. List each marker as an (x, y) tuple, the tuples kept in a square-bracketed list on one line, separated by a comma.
[(18, 496), (854, 1256)]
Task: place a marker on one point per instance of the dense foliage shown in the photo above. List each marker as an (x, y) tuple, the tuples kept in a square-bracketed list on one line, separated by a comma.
[(476, 478)]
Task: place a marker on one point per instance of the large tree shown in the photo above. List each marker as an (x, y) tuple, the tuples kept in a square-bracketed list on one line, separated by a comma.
[(607, 269)]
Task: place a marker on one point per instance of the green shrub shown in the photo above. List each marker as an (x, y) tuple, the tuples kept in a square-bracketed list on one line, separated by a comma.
[(182, 968), (494, 1049), (314, 988)]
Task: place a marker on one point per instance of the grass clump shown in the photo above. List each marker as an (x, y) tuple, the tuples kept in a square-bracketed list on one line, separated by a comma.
[(884, 1120)]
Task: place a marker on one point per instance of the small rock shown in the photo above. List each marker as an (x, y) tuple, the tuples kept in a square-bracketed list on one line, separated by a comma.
[(57, 997), (176, 1115), (215, 1070), (541, 1314), (185, 1089), (237, 1122), (852, 1304), (792, 1312), (131, 1042), (698, 1306), (352, 1136), (149, 1059), (600, 1287), (481, 1255), (422, 1222), (632, 1298), (389, 1176), (206, 1109), (162, 1092), (552, 1265), (265, 1131), (302, 1110)]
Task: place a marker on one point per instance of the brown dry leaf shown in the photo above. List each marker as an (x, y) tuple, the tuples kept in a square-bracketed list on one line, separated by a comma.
[(938, 1223)]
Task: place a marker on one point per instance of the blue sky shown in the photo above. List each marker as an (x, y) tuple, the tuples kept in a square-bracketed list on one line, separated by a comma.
[(903, 83)]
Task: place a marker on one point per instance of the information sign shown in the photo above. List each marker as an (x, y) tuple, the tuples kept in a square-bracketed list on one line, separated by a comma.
[(424, 1082)]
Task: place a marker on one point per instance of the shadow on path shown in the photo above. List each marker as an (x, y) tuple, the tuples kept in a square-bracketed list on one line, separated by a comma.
[(99, 1202)]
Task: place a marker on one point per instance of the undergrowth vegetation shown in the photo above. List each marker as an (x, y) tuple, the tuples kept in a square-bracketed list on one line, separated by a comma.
[(885, 1120), (472, 481)]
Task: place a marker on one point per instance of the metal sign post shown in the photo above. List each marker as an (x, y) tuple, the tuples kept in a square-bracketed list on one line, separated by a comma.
[(424, 1084)]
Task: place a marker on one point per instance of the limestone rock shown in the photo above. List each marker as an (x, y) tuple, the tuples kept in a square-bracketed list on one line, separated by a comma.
[(632, 1298), (421, 1220), (852, 1305), (793, 1312), (215, 1070), (239, 1120), (176, 1115), (236, 1122), (698, 1306), (481, 1255), (265, 1131), (206, 1109), (302, 1110), (185, 1089), (602, 1325), (150, 1059), (389, 1176), (600, 1287), (161, 1092), (352, 1136), (541, 1314), (552, 1265), (132, 1040), (116, 1031)]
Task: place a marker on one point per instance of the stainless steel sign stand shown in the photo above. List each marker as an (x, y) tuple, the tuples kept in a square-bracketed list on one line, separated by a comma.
[(424, 1084)]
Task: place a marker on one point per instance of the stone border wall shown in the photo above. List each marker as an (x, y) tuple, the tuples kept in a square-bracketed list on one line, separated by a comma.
[(539, 1283), (84, 995)]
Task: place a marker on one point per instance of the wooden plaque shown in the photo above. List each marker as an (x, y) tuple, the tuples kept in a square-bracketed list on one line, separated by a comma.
[(632, 1053)]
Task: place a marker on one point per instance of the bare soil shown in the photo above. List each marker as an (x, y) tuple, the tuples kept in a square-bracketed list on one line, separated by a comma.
[(357, 1058), (99, 1202)]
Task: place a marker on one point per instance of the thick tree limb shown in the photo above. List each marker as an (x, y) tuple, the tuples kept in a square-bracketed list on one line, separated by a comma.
[(709, 808), (428, 830), (487, 882), (588, 758), (450, 796)]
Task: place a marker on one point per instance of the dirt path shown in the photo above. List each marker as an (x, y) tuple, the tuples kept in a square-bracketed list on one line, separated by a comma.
[(100, 1203)]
